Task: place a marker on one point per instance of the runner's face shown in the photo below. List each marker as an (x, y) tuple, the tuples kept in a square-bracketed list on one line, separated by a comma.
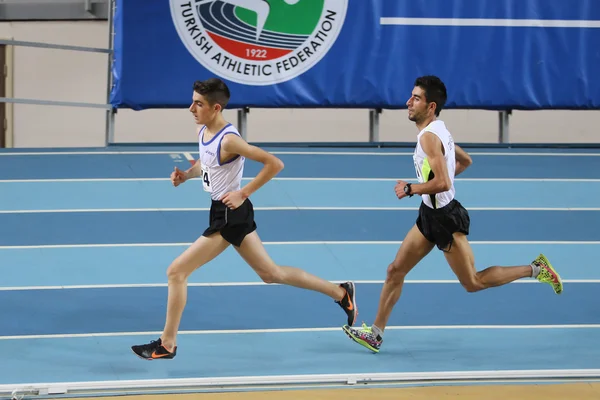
[(417, 105), (202, 111)]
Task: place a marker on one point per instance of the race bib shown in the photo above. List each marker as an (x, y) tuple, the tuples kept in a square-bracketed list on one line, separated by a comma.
[(418, 170), (206, 179)]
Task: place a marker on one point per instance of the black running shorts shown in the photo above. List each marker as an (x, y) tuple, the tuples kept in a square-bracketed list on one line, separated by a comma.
[(438, 225), (233, 225)]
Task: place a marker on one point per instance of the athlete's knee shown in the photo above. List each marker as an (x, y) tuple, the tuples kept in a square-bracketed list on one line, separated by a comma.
[(472, 284), (176, 273), (272, 275), (270, 278), (396, 272)]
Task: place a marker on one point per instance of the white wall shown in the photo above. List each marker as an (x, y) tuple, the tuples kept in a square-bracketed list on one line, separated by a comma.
[(74, 76)]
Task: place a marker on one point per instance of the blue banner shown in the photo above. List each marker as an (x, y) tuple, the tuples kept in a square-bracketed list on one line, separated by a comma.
[(492, 54)]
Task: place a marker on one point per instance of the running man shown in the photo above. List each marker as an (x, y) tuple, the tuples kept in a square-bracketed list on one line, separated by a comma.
[(442, 221), (231, 221)]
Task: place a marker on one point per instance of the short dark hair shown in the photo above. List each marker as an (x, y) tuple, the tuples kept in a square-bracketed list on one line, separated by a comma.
[(435, 91), (214, 91)]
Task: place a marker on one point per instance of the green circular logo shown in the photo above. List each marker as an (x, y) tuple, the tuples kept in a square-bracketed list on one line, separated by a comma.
[(258, 42)]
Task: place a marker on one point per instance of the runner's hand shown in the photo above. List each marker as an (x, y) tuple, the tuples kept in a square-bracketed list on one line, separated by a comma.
[(178, 177), (399, 188), (233, 199)]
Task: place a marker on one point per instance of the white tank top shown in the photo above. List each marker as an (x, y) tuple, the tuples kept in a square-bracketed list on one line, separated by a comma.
[(217, 178), (424, 172)]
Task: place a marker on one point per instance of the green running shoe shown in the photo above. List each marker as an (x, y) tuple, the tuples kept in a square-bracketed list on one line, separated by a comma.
[(548, 274), (364, 336)]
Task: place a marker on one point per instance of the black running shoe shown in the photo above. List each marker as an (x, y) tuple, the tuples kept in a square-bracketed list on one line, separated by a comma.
[(348, 303), (153, 350)]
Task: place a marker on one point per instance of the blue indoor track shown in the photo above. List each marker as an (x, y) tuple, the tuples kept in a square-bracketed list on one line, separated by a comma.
[(86, 237)]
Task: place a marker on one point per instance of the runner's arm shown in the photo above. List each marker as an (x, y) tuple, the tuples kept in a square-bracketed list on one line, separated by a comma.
[(194, 171), (432, 146), (272, 165), (463, 160)]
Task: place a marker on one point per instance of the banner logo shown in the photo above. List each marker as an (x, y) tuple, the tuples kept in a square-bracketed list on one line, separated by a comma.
[(258, 42)]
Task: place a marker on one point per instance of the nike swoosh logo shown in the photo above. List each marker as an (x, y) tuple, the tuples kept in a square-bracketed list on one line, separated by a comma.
[(350, 304)]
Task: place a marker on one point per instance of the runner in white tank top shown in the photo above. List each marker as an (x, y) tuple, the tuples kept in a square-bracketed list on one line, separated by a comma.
[(231, 219), (442, 220), (219, 178), (423, 168)]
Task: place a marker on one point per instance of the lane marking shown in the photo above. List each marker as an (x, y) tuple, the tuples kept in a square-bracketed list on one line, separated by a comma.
[(228, 284), (298, 243), (290, 152), (295, 330), (295, 208), (292, 179)]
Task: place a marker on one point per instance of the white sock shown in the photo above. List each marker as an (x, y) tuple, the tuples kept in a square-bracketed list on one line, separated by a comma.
[(376, 331), (535, 270)]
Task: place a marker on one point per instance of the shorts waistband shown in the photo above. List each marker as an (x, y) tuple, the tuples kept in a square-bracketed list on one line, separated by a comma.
[(219, 204), (450, 206)]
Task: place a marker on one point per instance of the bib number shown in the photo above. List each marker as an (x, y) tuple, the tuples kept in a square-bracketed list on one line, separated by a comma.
[(206, 179), (418, 171)]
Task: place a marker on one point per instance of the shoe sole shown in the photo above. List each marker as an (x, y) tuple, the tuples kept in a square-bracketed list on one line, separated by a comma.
[(151, 359), (551, 268), (143, 358), (362, 343)]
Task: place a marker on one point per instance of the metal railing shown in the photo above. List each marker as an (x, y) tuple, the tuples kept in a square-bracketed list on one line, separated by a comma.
[(110, 112), (53, 10)]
